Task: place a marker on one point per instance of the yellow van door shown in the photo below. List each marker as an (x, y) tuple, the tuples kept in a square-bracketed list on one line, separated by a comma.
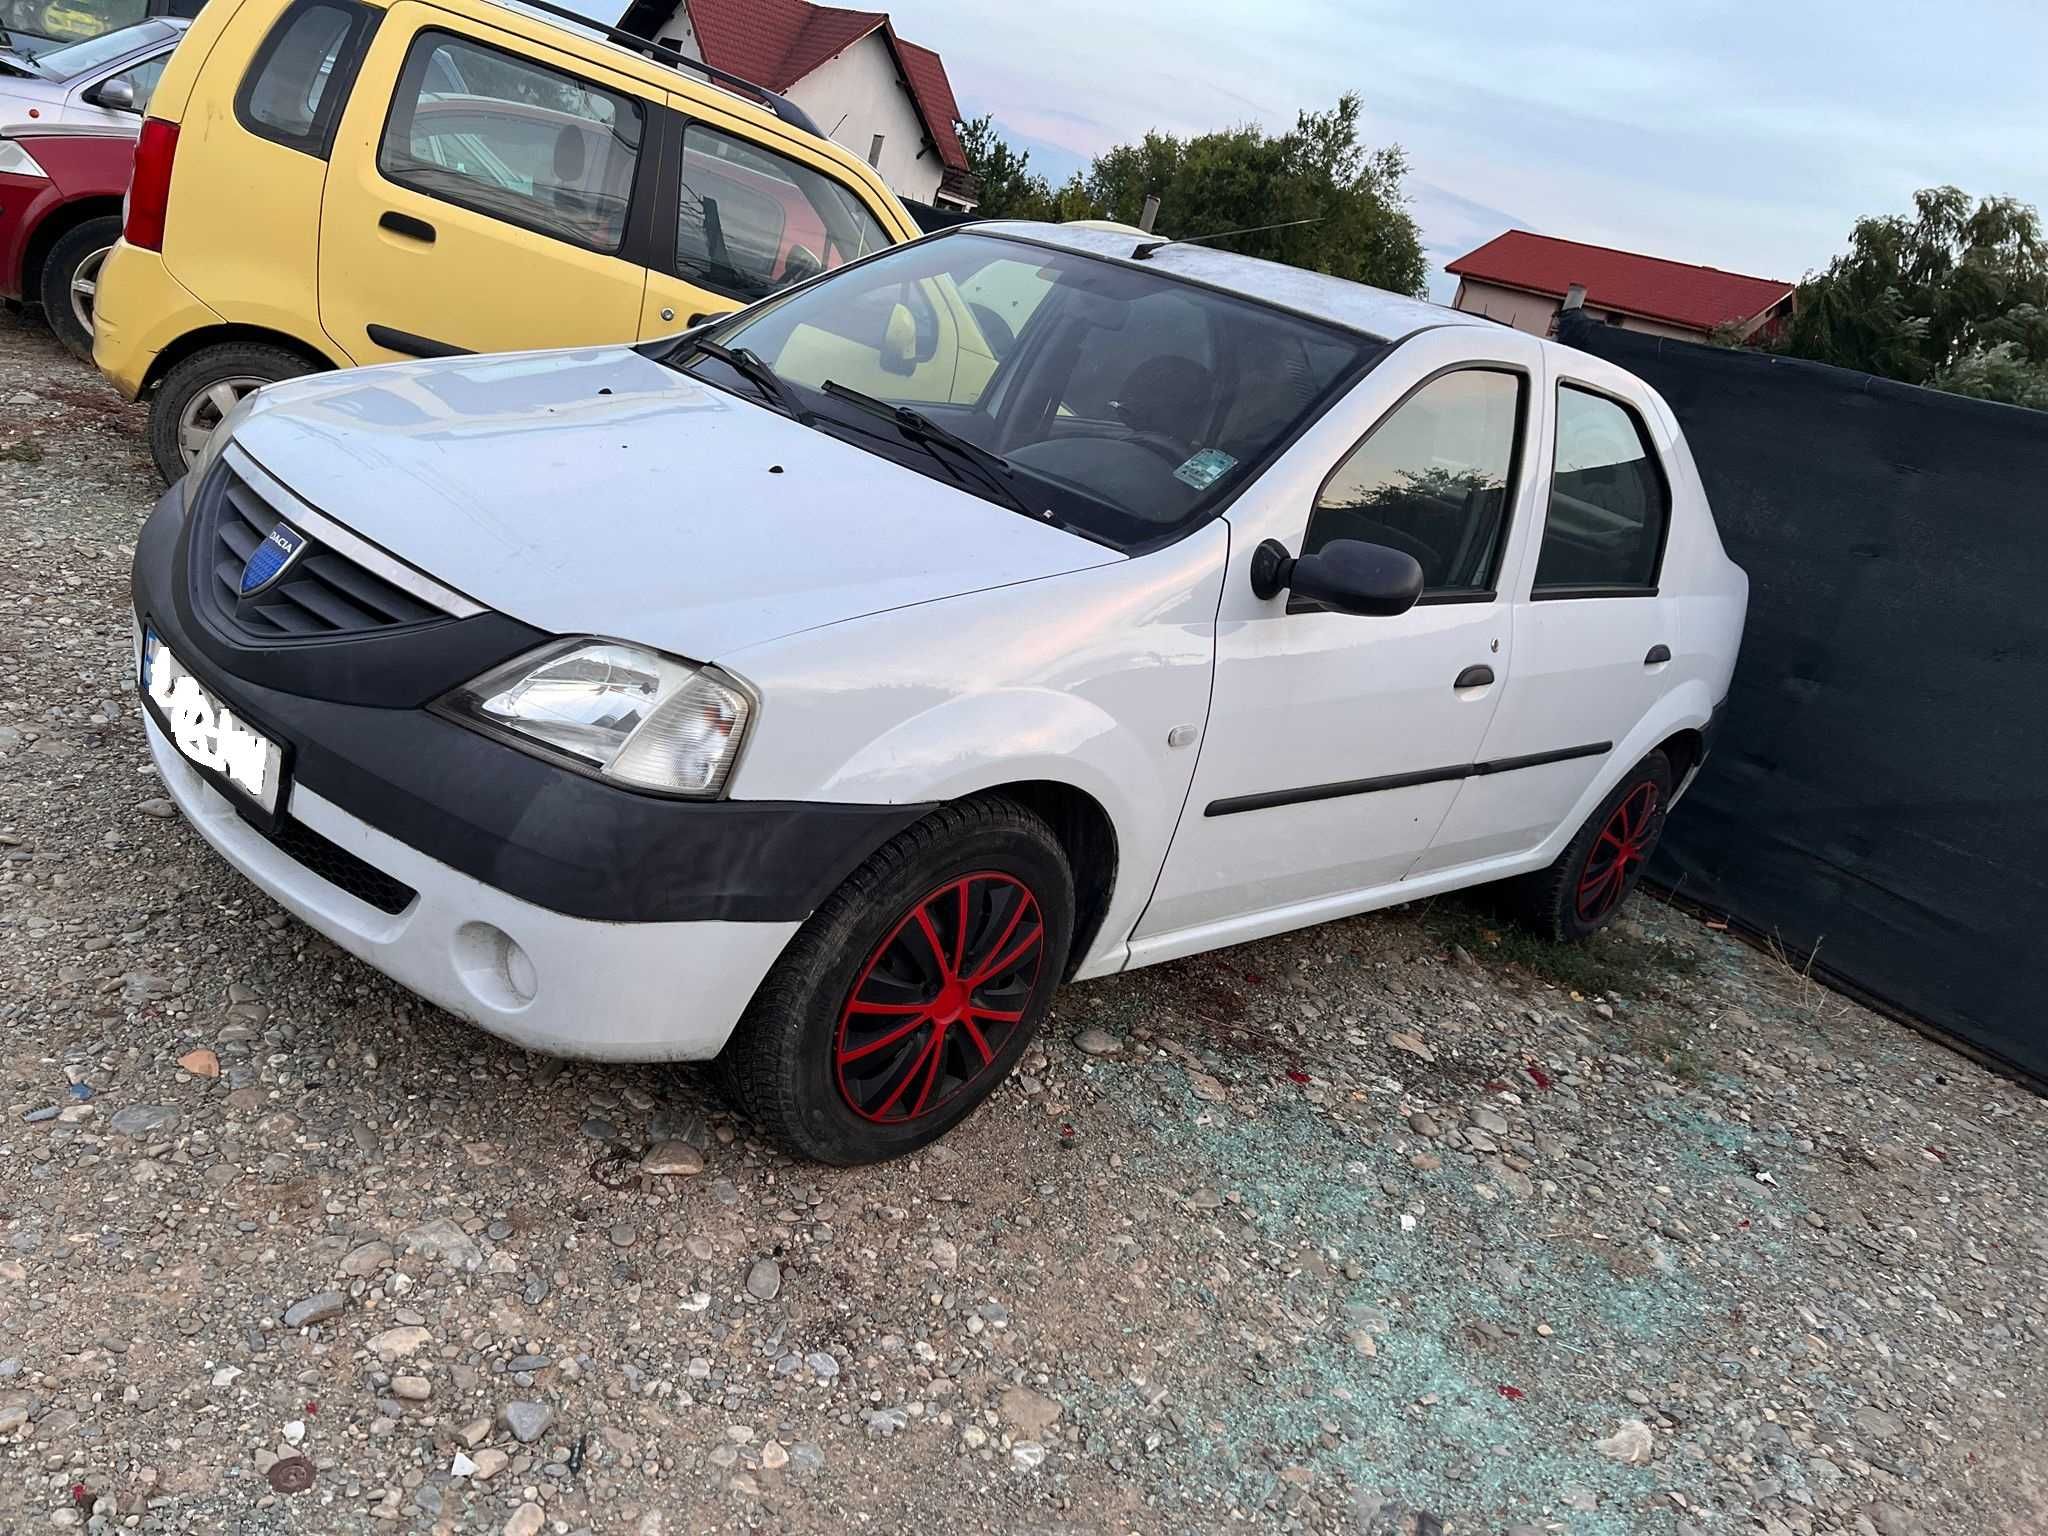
[(478, 199)]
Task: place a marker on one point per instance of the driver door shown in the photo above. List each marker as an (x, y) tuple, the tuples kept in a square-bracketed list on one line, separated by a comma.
[(1336, 743)]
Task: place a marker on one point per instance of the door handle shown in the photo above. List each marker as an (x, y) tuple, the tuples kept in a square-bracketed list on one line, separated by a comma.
[(1474, 677), (405, 224), (1658, 654)]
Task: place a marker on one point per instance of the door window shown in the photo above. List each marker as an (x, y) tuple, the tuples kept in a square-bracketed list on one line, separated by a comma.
[(504, 136), (1432, 479), (750, 221), (1608, 502), (286, 95)]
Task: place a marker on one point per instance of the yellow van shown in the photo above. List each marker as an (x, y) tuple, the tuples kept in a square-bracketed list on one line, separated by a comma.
[(324, 183)]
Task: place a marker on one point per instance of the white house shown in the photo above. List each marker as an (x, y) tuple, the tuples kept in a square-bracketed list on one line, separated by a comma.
[(886, 99)]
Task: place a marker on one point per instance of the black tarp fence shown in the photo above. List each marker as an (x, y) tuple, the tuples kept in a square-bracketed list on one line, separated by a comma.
[(1878, 800)]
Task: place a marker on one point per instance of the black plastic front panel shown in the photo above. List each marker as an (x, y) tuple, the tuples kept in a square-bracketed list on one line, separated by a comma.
[(547, 835)]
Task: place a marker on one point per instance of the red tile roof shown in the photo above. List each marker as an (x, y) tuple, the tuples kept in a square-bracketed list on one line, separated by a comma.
[(777, 42), (1700, 298)]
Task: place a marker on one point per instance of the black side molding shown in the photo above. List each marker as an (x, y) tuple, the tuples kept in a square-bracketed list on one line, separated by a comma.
[(413, 346), (1271, 798)]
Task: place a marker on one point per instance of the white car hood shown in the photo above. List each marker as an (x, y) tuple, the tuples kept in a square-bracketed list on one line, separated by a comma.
[(599, 492)]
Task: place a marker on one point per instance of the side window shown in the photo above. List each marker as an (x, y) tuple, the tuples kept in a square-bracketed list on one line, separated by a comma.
[(141, 79), (750, 221), (1433, 479), (501, 135), (1608, 500), (300, 76)]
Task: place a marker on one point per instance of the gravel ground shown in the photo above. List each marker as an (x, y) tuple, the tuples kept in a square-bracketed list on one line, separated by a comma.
[(1406, 1224)]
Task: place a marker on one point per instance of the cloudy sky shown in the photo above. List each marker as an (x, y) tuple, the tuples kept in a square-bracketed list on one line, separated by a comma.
[(1740, 135)]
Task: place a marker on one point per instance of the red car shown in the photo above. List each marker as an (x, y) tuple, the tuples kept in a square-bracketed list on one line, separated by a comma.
[(61, 186)]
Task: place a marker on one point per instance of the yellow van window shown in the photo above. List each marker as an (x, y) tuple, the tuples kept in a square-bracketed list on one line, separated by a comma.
[(752, 221), (282, 97), (501, 135)]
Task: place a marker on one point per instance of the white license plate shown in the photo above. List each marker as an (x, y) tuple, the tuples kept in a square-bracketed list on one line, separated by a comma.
[(206, 730)]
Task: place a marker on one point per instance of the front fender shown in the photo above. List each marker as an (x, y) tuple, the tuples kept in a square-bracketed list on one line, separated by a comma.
[(1077, 680)]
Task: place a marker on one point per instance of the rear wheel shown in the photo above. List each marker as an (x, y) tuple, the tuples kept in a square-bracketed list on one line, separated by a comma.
[(909, 995), (70, 284), (1579, 894), (199, 391)]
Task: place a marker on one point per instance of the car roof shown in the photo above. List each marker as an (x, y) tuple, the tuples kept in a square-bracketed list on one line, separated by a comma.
[(1375, 312)]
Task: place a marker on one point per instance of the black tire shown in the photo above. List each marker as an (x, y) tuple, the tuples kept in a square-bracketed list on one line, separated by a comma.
[(860, 951), (231, 363), (84, 245), (1580, 893)]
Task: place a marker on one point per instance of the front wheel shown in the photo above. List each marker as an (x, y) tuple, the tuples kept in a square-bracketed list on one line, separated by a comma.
[(199, 391), (912, 991), (1579, 894)]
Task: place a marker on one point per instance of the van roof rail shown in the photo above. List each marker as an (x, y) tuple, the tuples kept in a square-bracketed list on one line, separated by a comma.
[(661, 53)]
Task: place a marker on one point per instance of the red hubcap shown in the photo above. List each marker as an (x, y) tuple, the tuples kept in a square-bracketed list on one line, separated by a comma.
[(1617, 853), (939, 998)]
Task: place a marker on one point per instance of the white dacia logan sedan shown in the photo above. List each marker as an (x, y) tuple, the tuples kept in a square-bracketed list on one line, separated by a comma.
[(819, 688)]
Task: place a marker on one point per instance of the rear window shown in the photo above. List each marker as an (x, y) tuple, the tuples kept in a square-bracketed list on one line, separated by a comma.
[(506, 137), (300, 76), (1604, 531)]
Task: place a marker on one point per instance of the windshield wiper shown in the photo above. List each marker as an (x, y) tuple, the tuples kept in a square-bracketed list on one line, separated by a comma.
[(992, 469), (749, 366)]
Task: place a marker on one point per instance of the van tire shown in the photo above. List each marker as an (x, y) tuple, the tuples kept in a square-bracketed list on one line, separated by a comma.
[(241, 365), (83, 246), (785, 1065)]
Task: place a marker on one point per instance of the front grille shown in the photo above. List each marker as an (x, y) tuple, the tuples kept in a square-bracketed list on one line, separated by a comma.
[(323, 594), (337, 866)]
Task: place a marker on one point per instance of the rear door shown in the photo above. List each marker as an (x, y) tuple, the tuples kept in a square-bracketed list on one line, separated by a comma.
[(1593, 633), (479, 198)]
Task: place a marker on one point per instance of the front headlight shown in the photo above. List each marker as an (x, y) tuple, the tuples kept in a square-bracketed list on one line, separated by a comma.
[(15, 160), (618, 712)]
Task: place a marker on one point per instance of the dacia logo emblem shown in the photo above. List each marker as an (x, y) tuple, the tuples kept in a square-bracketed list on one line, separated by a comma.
[(273, 557)]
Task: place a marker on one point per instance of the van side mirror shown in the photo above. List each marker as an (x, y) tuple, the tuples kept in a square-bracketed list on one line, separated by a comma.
[(117, 94), (1347, 575)]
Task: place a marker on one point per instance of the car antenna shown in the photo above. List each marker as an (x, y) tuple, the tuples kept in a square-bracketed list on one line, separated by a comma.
[(1144, 251)]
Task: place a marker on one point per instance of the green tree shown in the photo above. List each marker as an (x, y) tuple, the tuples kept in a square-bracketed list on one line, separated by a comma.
[(1237, 178), (1954, 296)]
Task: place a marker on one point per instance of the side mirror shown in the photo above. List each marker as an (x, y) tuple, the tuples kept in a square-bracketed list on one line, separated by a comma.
[(1347, 575), (899, 342), (117, 94)]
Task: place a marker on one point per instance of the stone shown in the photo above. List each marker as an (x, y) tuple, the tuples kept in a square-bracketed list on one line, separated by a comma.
[(773, 1456), (1424, 1125), (397, 1343), (157, 808), (1631, 1444), (945, 1254), (1890, 1520), (490, 1461), (316, 1308), (441, 1239), (527, 1421), (1206, 1087), (144, 1120), (1878, 1424), (1413, 1044), (1027, 1412), (672, 1159), (1028, 1455), (1489, 1120), (526, 1521), (764, 1280), (200, 1063), (1097, 1042), (822, 1365), (412, 1389), (366, 1259), (13, 1412)]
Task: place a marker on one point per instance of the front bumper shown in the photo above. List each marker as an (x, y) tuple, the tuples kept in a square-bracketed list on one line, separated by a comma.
[(615, 991)]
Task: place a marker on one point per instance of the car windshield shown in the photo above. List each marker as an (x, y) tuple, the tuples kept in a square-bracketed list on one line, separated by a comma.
[(1122, 403), (75, 59)]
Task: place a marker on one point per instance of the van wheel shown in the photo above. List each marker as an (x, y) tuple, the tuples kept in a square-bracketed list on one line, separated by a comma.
[(199, 391), (912, 991), (70, 284), (1579, 894)]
